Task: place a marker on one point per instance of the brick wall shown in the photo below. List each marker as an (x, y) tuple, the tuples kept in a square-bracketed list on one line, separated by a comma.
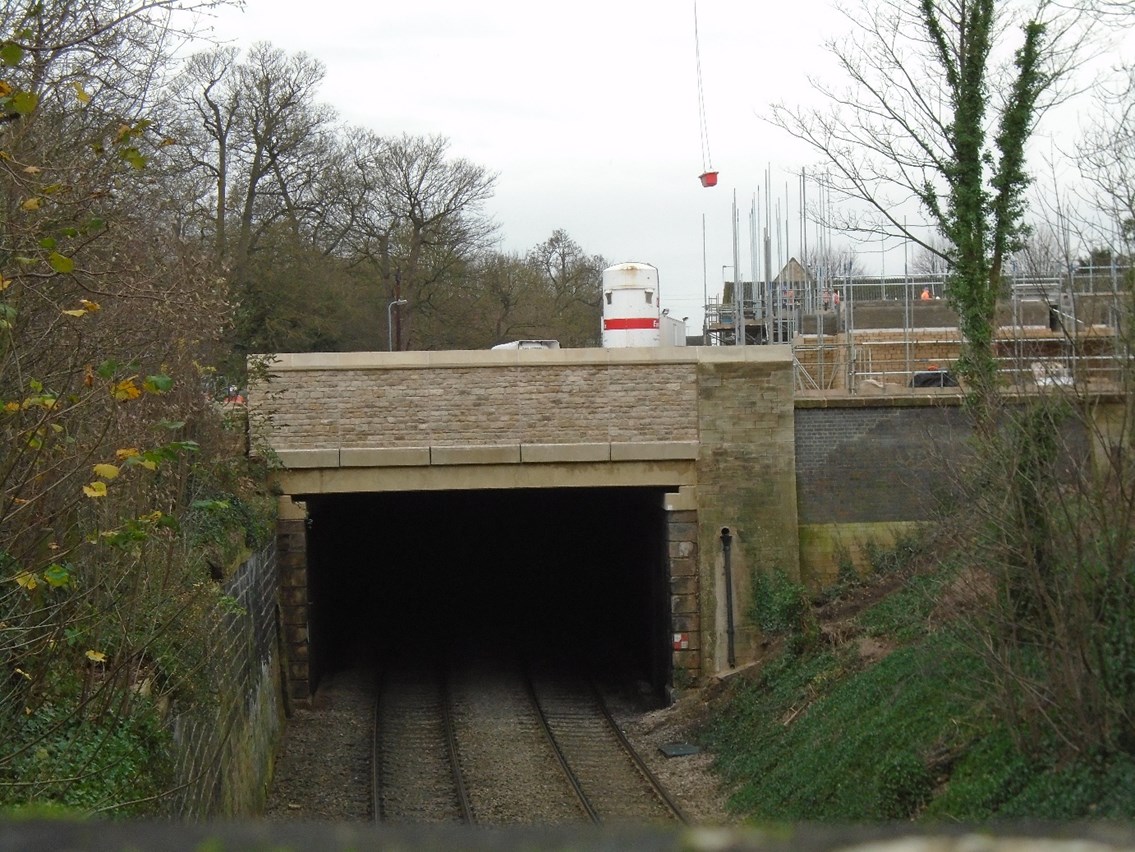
[(291, 545), (884, 462), (869, 470), (224, 755)]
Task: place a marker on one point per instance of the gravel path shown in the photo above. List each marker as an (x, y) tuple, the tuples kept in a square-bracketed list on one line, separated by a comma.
[(323, 766)]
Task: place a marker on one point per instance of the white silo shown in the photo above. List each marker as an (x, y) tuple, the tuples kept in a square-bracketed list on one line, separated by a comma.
[(630, 305)]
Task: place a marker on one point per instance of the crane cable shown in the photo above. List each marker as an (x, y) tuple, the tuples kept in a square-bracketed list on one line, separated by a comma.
[(706, 156)]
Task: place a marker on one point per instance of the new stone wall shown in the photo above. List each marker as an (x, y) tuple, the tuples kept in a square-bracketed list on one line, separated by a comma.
[(423, 399), (224, 757)]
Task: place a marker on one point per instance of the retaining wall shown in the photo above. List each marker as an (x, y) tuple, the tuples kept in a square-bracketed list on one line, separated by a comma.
[(870, 468), (224, 757)]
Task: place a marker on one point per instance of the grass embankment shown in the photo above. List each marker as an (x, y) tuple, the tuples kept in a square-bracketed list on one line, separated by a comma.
[(886, 713)]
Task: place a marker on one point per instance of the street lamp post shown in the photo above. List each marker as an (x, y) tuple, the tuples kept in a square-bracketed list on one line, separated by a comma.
[(390, 323)]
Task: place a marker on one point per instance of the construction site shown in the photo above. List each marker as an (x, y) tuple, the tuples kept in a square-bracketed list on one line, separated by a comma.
[(874, 335)]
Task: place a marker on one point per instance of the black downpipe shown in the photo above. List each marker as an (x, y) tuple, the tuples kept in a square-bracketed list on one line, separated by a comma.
[(727, 549)]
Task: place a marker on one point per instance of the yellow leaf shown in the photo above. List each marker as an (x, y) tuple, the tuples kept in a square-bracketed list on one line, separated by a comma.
[(96, 656), (149, 464), (80, 93), (106, 471), (11, 406), (95, 489), (27, 580), (126, 389), (76, 313), (31, 203), (128, 452), (90, 306), (32, 170), (5, 283), (5, 89)]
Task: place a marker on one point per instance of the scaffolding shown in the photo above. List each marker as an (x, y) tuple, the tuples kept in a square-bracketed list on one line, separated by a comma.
[(876, 335)]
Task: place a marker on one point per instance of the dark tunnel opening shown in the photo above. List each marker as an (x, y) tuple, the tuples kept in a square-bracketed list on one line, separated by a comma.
[(577, 572)]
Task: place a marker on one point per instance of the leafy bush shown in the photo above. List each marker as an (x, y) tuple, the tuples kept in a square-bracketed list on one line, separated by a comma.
[(88, 764), (779, 605)]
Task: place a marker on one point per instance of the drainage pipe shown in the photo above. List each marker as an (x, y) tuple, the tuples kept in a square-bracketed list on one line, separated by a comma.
[(727, 549)]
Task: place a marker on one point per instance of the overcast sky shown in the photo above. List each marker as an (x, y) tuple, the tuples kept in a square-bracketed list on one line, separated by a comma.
[(587, 111)]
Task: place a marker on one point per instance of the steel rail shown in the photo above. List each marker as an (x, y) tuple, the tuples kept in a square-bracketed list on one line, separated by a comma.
[(570, 775), (636, 758), (450, 735), (454, 756)]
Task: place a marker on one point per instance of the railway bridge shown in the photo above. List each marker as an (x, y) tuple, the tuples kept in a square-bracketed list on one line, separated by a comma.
[(582, 494)]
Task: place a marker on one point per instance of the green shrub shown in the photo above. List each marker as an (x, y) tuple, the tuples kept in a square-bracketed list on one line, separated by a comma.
[(88, 764), (780, 604)]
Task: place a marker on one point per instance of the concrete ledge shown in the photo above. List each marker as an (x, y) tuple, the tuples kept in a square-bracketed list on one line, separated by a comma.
[(685, 500), (666, 475), (910, 398), (483, 454), (285, 362), (545, 453), (649, 450), (384, 456), (288, 509), (296, 459)]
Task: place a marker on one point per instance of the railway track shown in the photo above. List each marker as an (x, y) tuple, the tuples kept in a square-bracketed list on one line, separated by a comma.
[(487, 742), (415, 776)]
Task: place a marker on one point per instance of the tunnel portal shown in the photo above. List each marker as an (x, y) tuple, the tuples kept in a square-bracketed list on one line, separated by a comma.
[(580, 572)]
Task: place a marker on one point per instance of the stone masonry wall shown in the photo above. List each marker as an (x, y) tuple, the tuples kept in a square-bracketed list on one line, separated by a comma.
[(224, 758), (685, 618), (415, 400), (746, 482), (732, 406)]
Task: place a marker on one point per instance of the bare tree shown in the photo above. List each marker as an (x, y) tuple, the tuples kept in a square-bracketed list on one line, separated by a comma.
[(829, 263), (433, 206), (572, 283), (1108, 165), (942, 97)]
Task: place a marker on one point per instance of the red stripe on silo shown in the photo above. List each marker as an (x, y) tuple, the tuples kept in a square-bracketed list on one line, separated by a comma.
[(630, 323)]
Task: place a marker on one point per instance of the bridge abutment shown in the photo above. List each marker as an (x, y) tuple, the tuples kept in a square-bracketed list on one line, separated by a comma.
[(291, 553)]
